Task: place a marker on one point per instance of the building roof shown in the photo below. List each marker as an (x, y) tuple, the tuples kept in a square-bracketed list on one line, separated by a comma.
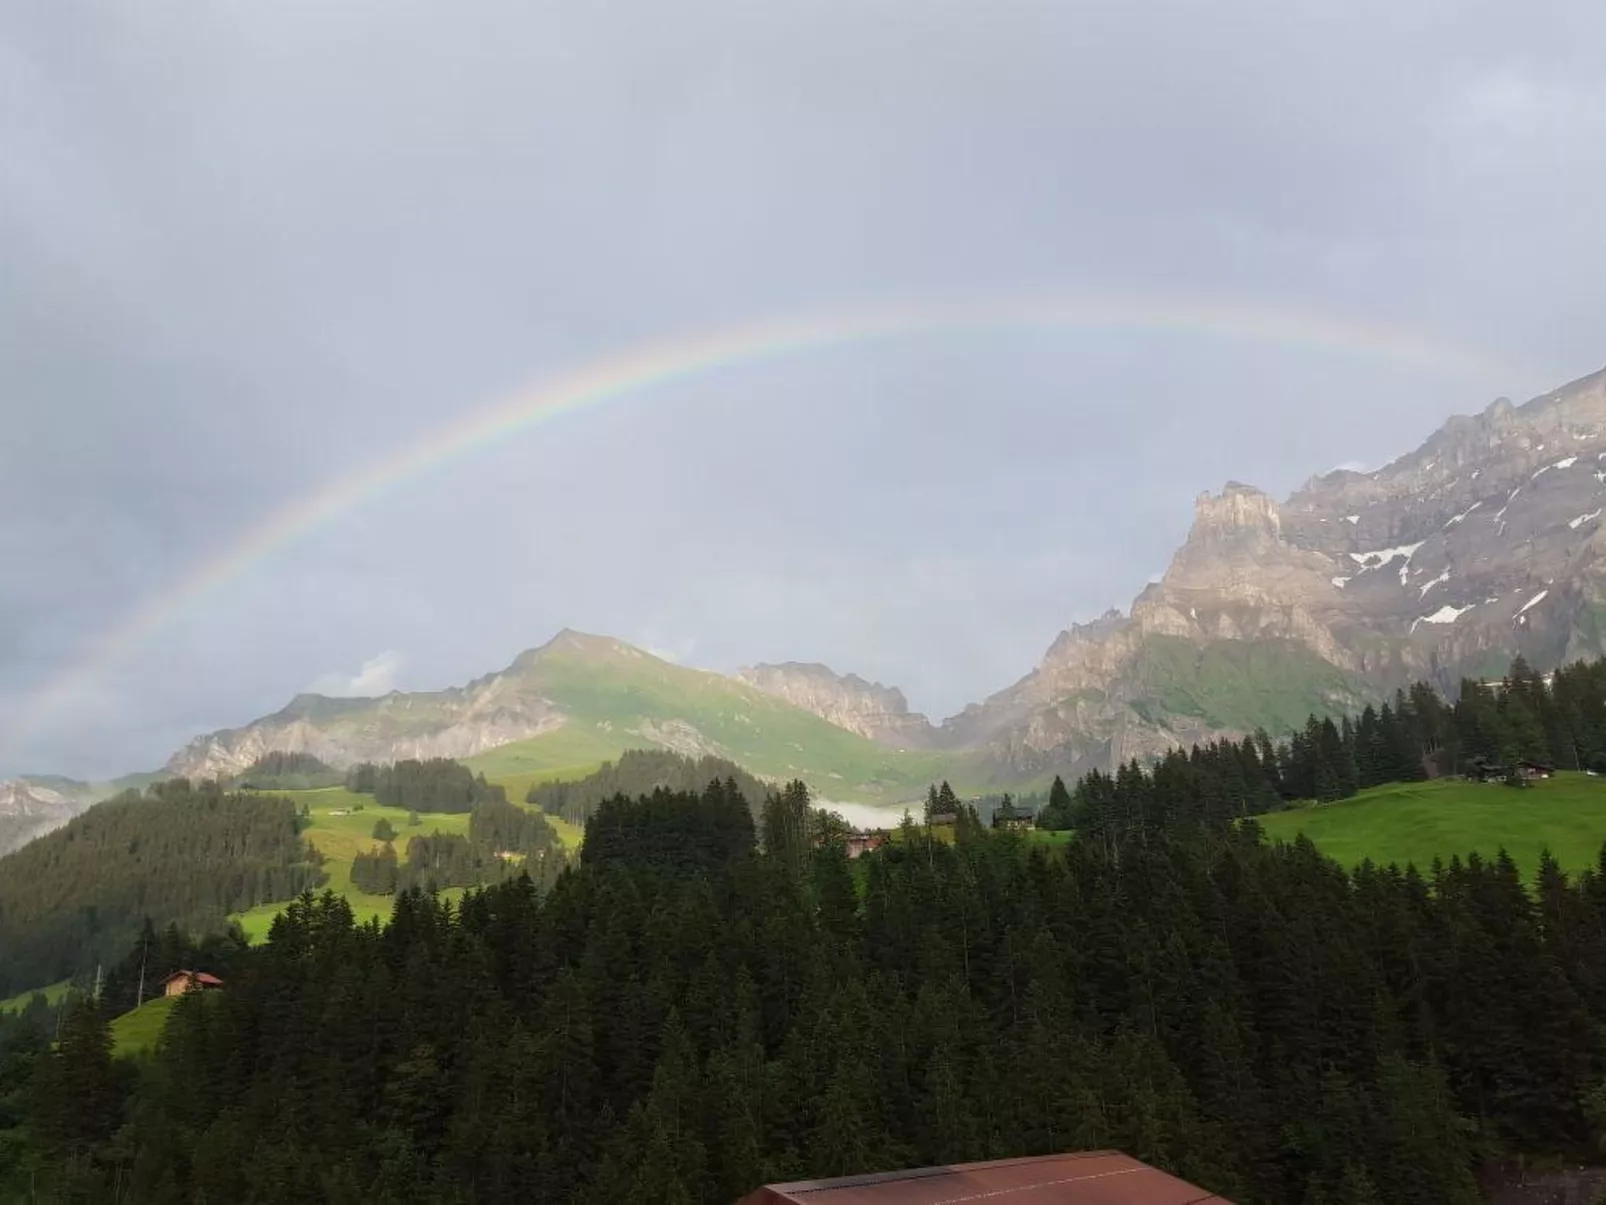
[(197, 976), (1083, 1178)]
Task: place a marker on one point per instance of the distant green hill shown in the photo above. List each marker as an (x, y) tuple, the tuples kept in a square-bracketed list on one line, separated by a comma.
[(1417, 822), (616, 698)]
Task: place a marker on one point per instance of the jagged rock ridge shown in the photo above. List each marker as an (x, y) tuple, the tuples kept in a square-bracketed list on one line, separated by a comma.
[(1483, 543), (870, 709), (29, 810)]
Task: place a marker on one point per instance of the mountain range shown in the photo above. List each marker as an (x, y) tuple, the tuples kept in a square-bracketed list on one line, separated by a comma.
[(1484, 542)]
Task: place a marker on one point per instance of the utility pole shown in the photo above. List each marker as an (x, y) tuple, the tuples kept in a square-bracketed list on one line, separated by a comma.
[(143, 946), (97, 983)]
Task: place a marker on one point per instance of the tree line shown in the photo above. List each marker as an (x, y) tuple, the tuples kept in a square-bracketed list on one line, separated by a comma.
[(638, 772), (1416, 735), (189, 853), (280, 771), (437, 784), (684, 1016)]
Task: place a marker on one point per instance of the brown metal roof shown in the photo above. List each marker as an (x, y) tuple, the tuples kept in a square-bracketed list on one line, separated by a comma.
[(1084, 1178)]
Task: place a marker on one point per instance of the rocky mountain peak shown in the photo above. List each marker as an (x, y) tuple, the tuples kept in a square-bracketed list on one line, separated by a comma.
[(1238, 510), (572, 643)]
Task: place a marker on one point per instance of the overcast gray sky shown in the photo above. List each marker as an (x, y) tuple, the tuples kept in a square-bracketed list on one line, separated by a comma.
[(246, 248)]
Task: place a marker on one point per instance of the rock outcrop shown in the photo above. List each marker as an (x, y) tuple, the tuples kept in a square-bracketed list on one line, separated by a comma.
[(29, 810), (878, 712)]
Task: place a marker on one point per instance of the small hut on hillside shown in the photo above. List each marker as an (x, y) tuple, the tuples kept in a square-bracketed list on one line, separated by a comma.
[(180, 982)]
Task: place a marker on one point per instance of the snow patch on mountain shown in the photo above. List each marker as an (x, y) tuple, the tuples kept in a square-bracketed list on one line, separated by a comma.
[(1445, 614), (1438, 581)]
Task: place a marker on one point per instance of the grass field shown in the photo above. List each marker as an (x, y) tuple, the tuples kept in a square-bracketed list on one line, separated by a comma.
[(53, 995), (137, 1031), (517, 782), (1046, 836), (1416, 822), (341, 837)]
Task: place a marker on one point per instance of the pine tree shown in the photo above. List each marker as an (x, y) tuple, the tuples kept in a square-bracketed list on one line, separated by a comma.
[(77, 1096)]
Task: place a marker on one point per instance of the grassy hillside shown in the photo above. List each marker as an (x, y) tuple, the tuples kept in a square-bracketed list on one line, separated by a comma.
[(339, 831), (54, 994), (136, 1032), (618, 698), (1241, 685), (1416, 822)]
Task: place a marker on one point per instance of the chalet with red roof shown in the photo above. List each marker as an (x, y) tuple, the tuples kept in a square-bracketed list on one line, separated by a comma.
[(180, 982), (1083, 1178)]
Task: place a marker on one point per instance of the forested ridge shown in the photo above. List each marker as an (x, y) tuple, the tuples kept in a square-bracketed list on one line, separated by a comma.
[(1417, 735), (638, 772), (181, 852), (277, 771)]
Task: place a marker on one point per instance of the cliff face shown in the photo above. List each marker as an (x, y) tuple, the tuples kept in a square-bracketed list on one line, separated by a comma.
[(490, 711), (28, 810), (878, 712)]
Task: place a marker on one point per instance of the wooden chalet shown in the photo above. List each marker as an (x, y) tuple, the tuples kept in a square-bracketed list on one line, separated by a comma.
[(1487, 771), (862, 843), (180, 982), (1010, 816)]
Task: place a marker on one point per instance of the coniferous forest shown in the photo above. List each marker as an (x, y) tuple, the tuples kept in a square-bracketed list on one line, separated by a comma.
[(637, 772), (436, 784), (682, 1017), (180, 852)]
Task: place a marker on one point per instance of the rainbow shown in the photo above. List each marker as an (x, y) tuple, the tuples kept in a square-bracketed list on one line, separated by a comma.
[(648, 366)]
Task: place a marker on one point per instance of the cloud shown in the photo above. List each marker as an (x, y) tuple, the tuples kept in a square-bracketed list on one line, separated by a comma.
[(376, 677), (1351, 466), (224, 260)]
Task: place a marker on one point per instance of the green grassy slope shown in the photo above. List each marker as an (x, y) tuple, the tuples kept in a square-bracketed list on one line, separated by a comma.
[(340, 838), (619, 698), (54, 993), (1241, 685), (137, 1031), (1416, 822)]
